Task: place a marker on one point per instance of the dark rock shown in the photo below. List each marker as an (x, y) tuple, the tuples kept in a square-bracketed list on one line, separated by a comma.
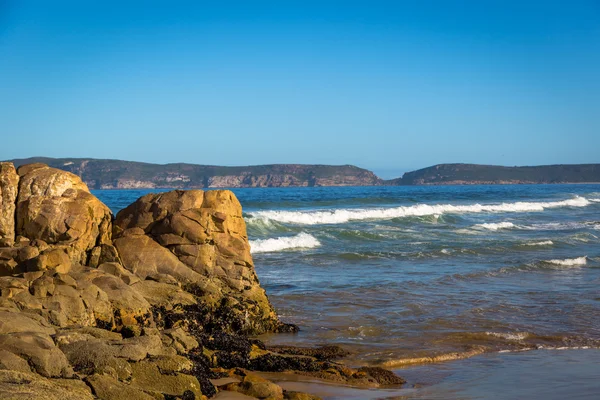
[(227, 342), (201, 370), (279, 363), (323, 353), (382, 376)]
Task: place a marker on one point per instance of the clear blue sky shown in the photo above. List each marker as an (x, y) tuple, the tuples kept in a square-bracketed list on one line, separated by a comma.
[(386, 85)]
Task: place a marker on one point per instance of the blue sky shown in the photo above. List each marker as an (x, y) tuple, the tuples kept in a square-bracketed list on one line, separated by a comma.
[(386, 85)]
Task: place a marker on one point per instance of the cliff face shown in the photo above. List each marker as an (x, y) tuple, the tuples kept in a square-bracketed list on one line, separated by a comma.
[(116, 174), (472, 174)]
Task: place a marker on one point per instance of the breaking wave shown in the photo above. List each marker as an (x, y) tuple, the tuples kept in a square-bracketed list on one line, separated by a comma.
[(300, 241), (567, 262), (542, 243), (338, 216), (496, 226)]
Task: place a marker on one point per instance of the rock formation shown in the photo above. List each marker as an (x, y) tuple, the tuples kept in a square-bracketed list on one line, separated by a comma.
[(154, 305), (200, 239)]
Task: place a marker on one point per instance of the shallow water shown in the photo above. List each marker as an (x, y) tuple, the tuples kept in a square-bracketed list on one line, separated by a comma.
[(541, 374), (406, 275)]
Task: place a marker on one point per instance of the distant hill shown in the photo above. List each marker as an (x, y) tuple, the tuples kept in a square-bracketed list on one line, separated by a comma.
[(117, 174), (473, 174)]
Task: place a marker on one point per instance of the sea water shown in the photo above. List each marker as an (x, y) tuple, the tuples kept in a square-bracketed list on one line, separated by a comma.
[(405, 276)]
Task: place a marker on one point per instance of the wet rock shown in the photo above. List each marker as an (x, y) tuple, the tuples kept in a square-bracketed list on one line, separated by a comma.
[(225, 359), (202, 371), (291, 395), (226, 342), (382, 376), (256, 386), (279, 363), (323, 353)]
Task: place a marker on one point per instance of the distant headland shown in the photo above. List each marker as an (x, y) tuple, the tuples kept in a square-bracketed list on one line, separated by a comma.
[(118, 174)]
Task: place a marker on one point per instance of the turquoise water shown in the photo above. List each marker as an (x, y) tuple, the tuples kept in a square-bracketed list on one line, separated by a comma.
[(402, 274)]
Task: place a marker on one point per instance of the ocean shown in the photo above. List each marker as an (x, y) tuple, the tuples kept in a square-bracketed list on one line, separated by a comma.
[(461, 289)]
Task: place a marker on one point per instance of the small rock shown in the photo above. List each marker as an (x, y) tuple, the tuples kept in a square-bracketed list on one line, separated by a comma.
[(256, 386), (382, 376), (290, 395)]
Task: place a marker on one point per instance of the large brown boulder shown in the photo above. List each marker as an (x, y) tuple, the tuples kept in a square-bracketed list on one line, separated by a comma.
[(9, 181), (200, 239), (56, 207)]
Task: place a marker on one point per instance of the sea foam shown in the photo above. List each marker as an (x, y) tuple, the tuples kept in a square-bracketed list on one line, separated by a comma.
[(542, 243), (567, 262), (496, 226), (339, 216), (300, 241)]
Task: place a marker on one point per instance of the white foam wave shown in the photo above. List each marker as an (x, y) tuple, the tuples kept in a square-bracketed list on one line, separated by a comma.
[(560, 226), (339, 216), (569, 261), (300, 241), (496, 226), (542, 243), (595, 200), (509, 335)]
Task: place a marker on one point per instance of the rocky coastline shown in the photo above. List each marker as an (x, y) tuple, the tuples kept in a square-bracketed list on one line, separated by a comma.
[(160, 301), (119, 174)]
